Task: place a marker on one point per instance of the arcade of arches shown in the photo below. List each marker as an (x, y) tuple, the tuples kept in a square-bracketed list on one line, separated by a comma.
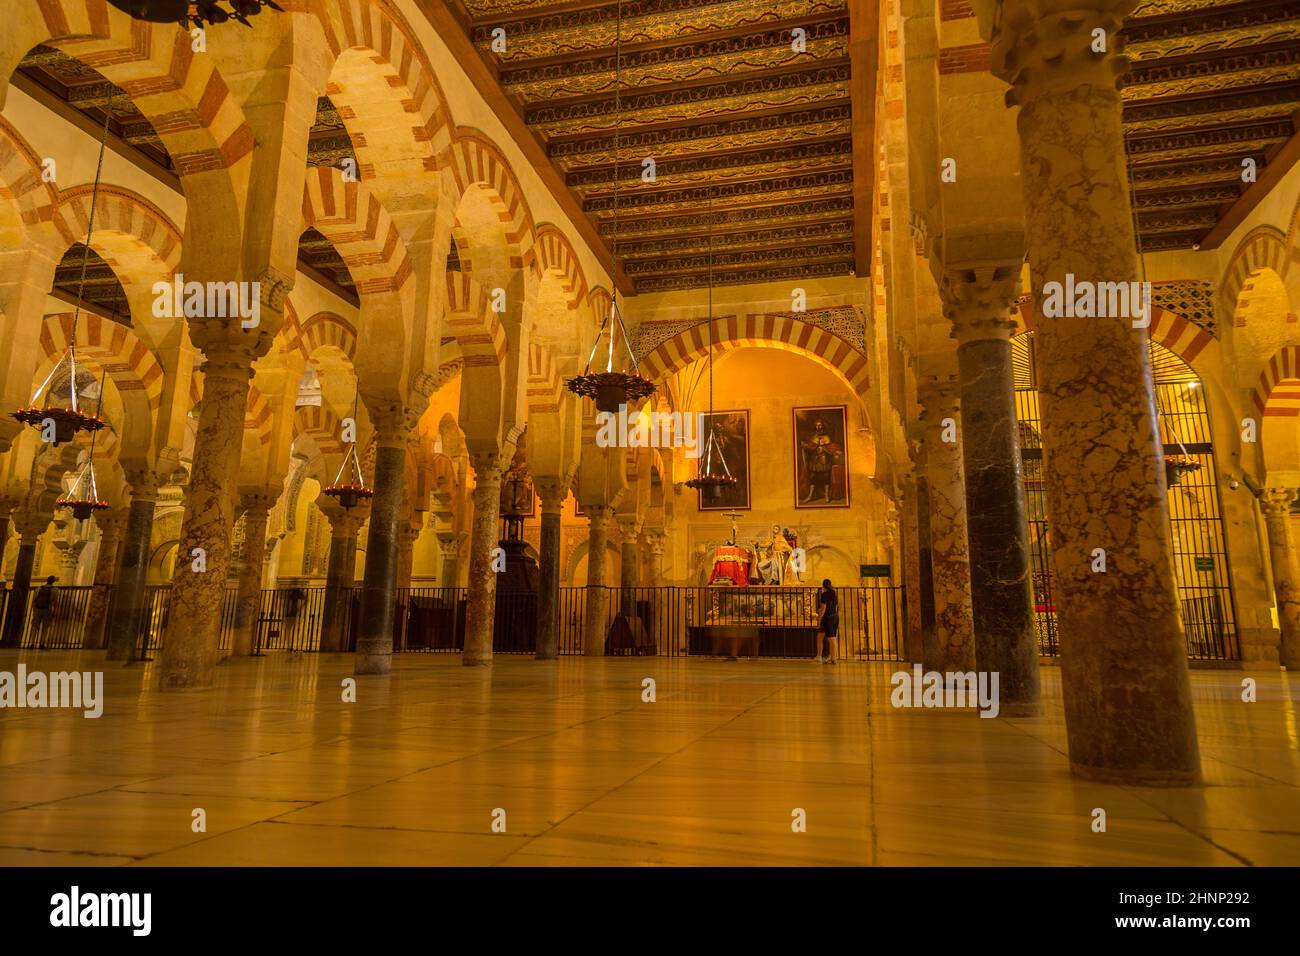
[(840, 263)]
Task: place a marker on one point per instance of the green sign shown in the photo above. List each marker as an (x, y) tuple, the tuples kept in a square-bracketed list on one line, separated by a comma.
[(1204, 564), (873, 570)]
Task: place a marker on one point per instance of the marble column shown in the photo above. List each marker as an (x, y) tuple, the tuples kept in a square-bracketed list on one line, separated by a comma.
[(248, 595), (910, 572), (406, 554), (552, 494), (449, 549), (951, 644), (654, 541), (1128, 705), (111, 524), (189, 651), (126, 613), (977, 302), (30, 527), (481, 602), (593, 630), (1276, 505), (629, 527), (379, 588), (338, 578)]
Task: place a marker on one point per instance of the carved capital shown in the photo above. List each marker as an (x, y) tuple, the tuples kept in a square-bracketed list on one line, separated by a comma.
[(1276, 502), (978, 301), (145, 483), (257, 504), (228, 349), (31, 524), (1046, 46), (939, 397), (552, 492)]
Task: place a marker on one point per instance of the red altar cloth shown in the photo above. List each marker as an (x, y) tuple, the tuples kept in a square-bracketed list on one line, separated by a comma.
[(732, 563)]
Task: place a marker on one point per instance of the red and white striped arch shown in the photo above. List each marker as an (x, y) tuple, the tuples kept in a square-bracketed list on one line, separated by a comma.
[(329, 330), (476, 163), (543, 380), (763, 331), (355, 222), (1184, 338), (471, 321), (178, 90)]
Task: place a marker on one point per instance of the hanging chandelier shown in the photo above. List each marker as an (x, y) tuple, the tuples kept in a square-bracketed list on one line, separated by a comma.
[(48, 405), (714, 475), (200, 13), (349, 486), (83, 497), (611, 389)]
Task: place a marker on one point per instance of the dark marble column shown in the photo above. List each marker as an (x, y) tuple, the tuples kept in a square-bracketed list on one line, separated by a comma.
[(1127, 696), (481, 602), (379, 588), (30, 527), (552, 493), (111, 524), (338, 578), (126, 616), (977, 302), (1276, 505), (449, 549), (248, 596), (593, 630), (629, 527)]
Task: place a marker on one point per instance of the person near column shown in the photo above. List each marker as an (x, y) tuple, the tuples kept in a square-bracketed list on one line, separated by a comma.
[(828, 621), (43, 611)]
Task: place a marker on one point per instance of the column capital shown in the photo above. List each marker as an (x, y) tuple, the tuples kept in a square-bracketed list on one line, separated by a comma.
[(393, 422), (1044, 46), (552, 492), (489, 465), (227, 349), (449, 543), (629, 525), (938, 396), (112, 523), (346, 524), (600, 513), (1276, 502), (31, 524), (258, 502), (978, 301), (408, 534), (145, 483)]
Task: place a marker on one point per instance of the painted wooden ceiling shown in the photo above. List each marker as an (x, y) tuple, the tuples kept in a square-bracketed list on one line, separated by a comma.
[(748, 134)]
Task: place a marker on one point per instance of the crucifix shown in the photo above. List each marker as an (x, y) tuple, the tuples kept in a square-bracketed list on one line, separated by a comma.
[(733, 515)]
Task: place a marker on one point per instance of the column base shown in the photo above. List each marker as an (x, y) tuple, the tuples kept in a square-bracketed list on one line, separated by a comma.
[(1136, 776), (475, 661), (179, 681), (373, 663)]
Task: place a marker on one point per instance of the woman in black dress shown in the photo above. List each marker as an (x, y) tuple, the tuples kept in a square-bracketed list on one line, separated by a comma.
[(828, 602)]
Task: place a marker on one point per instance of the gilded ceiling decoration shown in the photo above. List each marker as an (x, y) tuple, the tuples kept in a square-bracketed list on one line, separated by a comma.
[(715, 92), (1210, 84)]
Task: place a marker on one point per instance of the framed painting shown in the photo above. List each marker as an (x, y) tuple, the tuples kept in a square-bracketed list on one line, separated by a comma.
[(732, 432), (821, 471)]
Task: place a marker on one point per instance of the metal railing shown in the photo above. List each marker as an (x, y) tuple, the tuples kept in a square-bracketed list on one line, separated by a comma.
[(664, 621)]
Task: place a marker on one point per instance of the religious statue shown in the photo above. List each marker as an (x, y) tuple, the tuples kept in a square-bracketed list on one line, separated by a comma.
[(774, 554)]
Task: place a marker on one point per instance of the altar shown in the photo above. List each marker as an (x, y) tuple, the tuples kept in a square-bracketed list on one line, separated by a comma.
[(753, 622), (731, 564)]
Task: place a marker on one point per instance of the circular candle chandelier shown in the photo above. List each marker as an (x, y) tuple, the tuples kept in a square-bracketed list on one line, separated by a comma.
[(349, 486), (714, 475), (611, 388), (200, 13), (49, 407), (82, 499)]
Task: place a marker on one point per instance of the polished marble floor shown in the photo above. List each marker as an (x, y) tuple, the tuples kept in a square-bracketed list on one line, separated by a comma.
[(419, 769)]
